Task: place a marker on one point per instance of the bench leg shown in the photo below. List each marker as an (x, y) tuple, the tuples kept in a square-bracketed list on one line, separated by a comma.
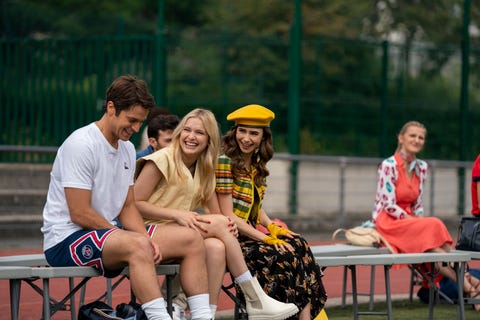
[(344, 286), (371, 293), (108, 284), (15, 286), (388, 295), (431, 291), (82, 296), (353, 272), (460, 272), (372, 288), (169, 279), (413, 282), (73, 312), (46, 299)]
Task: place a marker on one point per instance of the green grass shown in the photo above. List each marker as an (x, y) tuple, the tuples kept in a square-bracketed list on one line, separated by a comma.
[(402, 310)]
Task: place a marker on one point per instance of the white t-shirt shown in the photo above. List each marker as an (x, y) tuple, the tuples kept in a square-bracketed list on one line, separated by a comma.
[(86, 160)]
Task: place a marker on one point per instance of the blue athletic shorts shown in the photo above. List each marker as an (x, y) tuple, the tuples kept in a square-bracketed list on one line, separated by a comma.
[(84, 248)]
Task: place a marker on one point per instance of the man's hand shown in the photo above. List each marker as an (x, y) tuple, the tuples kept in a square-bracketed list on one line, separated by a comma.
[(157, 255)]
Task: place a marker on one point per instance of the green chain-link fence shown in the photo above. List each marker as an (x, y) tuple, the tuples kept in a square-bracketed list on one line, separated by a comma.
[(354, 94)]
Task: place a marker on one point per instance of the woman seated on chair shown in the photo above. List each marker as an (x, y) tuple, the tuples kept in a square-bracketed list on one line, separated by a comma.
[(398, 212)]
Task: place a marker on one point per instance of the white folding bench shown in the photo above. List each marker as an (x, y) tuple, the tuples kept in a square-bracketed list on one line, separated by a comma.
[(38, 262), (387, 260), (343, 250), (47, 273), (39, 269), (14, 275)]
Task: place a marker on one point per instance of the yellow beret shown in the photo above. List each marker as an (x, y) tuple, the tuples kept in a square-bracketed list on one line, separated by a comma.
[(252, 115)]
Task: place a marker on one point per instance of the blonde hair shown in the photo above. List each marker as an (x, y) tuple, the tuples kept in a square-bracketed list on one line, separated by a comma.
[(407, 125), (207, 161)]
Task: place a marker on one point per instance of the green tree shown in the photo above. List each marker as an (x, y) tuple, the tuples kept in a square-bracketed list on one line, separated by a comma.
[(53, 18)]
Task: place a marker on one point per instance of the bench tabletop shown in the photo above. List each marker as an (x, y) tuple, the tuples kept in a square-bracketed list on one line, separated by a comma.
[(8, 272), (24, 260), (64, 272), (389, 259), (475, 255), (345, 250)]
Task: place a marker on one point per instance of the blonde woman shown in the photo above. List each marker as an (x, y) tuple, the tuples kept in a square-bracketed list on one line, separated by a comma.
[(174, 182)]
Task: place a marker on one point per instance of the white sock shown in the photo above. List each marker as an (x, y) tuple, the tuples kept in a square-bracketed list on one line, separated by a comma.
[(199, 307), (156, 309), (213, 310), (244, 277)]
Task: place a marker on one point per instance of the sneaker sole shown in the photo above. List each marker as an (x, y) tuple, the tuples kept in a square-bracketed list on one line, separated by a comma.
[(282, 316)]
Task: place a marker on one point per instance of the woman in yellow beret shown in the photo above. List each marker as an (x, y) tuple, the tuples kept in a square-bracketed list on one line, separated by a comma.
[(282, 260), (173, 183)]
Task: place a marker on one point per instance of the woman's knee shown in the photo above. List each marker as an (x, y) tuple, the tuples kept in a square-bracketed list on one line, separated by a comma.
[(214, 246), (215, 249), (218, 224)]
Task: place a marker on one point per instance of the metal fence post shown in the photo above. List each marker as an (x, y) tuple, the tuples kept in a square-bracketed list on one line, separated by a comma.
[(431, 172), (341, 194), (464, 138), (294, 101)]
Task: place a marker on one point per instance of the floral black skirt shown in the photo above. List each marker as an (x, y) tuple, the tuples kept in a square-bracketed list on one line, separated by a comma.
[(291, 277)]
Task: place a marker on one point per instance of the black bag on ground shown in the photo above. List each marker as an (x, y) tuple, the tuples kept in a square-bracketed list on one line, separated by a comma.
[(131, 310), (97, 310), (469, 234)]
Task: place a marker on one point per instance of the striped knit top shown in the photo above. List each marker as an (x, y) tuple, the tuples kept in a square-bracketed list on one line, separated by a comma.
[(247, 198)]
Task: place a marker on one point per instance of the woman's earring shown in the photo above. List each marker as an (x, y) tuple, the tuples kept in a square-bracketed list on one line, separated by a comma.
[(258, 154)]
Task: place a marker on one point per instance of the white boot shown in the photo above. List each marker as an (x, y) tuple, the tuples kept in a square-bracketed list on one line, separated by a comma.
[(261, 307)]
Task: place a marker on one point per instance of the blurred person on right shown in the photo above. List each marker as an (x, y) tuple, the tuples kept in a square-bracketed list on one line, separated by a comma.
[(475, 187), (398, 212)]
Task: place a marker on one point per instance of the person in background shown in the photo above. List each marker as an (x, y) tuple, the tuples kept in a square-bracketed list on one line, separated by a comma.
[(282, 260), (398, 213), (91, 186), (177, 180), (475, 189), (156, 111), (159, 132)]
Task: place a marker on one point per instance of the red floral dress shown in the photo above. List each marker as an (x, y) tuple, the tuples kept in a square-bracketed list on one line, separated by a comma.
[(398, 196)]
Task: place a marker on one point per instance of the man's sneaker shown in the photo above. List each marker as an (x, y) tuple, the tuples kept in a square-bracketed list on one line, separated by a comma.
[(178, 312)]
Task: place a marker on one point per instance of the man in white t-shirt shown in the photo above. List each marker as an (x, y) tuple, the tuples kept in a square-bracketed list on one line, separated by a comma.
[(91, 187)]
